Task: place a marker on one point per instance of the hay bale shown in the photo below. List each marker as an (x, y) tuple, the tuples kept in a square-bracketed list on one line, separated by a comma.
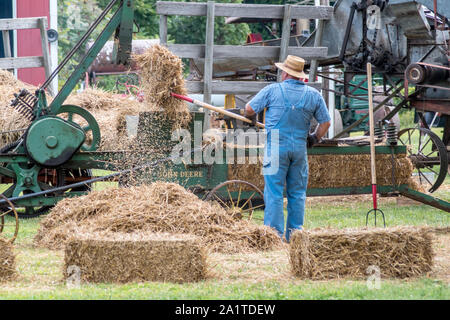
[(161, 74), (248, 172), (122, 258), (7, 261), (334, 171), (160, 207), (398, 252)]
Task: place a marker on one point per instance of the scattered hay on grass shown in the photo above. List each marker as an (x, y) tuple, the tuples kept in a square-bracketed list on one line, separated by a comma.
[(7, 261), (122, 258), (161, 74), (398, 252), (159, 207)]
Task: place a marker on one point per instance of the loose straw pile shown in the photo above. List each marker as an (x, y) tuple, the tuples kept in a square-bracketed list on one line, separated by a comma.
[(10, 119), (161, 74), (110, 111), (159, 207), (397, 252)]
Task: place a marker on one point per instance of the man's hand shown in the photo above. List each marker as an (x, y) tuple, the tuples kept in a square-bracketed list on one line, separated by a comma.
[(318, 134), (252, 118), (250, 115), (311, 140)]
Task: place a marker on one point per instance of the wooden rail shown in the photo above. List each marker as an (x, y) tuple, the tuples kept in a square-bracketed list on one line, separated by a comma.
[(243, 10), (22, 23), (195, 51), (236, 87), (9, 62)]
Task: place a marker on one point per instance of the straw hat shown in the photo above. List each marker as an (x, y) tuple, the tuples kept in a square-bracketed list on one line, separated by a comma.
[(293, 65)]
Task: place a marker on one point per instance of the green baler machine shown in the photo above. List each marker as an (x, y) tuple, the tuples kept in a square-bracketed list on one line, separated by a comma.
[(55, 157)]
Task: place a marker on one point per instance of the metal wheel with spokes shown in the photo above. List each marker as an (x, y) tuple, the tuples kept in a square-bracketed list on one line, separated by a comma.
[(239, 198), (86, 121), (9, 226), (428, 155), (37, 179)]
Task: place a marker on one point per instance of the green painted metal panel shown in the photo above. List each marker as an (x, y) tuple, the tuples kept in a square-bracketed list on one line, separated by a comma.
[(122, 45), (424, 198), (342, 191), (356, 150), (51, 141)]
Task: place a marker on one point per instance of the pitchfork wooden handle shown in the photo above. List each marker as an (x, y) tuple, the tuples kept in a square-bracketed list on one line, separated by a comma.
[(371, 125), (216, 109)]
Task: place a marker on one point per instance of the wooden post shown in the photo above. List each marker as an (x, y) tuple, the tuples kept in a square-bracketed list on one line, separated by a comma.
[(209, 50), (317, 43), (326, 86), (45, 51), (285, 36), (163, 29)]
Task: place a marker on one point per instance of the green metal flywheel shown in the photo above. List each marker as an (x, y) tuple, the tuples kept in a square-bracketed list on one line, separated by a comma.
[(86, 121)]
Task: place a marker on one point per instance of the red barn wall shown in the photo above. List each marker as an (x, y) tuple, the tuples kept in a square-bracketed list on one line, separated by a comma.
[(29, 41)]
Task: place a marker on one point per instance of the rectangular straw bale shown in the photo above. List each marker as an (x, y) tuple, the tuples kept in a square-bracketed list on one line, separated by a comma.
[(337, 171), (398, 252), (7, 261), (122, 258)]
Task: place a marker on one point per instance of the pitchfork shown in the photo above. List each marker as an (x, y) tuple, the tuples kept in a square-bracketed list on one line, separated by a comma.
[(375, 209)]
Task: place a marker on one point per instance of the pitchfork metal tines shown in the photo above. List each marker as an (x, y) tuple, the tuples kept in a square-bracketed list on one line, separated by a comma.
[(25, 103), (375, 212)]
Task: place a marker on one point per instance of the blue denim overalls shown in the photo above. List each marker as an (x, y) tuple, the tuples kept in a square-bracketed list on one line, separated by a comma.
[(285, 160)]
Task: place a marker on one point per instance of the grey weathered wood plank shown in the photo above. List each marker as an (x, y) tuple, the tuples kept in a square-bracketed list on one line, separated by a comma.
[(21, 23), (243, 10), (45, 52), (195, 51), (22, 62), (317, 42), (234, 87), (285, 35), (6, 44), (208, 66), (163, 29)]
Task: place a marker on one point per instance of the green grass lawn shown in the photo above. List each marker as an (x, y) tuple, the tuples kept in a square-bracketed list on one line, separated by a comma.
[(263, 275)]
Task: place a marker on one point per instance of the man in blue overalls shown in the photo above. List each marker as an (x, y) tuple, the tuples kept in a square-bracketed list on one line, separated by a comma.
[(290, 106)]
